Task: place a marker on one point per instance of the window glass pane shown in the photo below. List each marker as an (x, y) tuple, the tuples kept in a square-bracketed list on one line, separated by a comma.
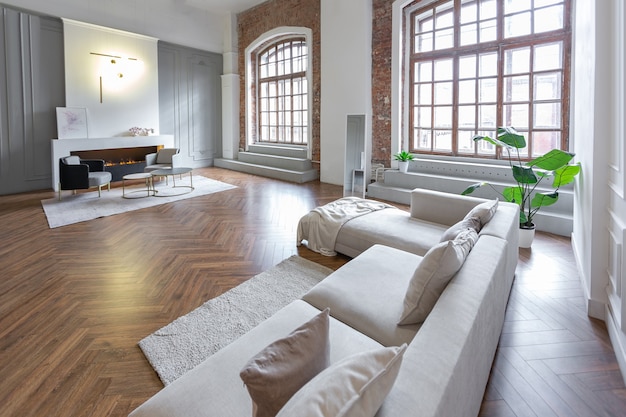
[(425, 94), (488, 9), (424, 115), (424, 71), (488, 64), (483, 147), (443, 70), (443, 116), (444, 19), (444, 39), (467, 91), (424, 22), (422, 138), (549, 19), (443, 140), (443, 93), (488, 31), (516, 115), (548, 86), (514, 6), (466, 143), (516, 88), (542, 3), (548, 57), (544, 142), (488, 90), (547, 115), (467, 67), (469, 34), (517, 61), (517, 25), (467, 117), (424, 43), (468, 12), (487, 116)]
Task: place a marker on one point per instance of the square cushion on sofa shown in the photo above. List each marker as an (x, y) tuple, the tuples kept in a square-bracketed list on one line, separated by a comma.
[(367, 293), (274, 374), (353, 387), (453, 231), (433, 274), (484, 211)]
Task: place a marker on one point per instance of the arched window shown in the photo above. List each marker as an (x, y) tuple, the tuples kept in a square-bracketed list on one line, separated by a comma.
[(283, 92), (474, 65)]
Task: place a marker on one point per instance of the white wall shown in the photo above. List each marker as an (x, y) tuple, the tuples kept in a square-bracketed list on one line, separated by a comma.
[(346, 79), (127, 101), (175, 22), (599, 142)]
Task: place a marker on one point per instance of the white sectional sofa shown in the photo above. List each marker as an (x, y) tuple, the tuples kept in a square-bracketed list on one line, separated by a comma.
[(446, 365)]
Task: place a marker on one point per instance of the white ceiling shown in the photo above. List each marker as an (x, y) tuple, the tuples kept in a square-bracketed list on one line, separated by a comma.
[(220, 6)]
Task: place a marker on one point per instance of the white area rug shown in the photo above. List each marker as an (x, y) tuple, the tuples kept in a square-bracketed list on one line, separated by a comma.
[(187, 341), (88, 206)]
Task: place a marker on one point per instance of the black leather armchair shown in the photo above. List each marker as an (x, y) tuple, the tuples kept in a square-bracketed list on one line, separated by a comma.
[(76, 174)]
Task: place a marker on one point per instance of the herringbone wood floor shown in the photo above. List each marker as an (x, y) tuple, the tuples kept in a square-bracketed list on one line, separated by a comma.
[(74, 302)]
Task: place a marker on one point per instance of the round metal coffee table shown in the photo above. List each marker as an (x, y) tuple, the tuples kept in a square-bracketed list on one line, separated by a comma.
[(173, 172), (147, 177)]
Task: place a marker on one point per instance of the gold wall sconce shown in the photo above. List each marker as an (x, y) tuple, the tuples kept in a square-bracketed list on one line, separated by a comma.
[(113, 69)]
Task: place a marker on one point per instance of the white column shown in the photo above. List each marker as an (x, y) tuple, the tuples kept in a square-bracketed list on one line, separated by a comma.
[(230, 90)]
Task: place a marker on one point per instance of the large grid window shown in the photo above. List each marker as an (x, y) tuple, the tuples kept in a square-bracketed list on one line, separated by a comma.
[(283, 93), (475, 65)]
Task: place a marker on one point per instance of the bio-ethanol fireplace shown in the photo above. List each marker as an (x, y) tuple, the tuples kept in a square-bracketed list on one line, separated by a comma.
[(120, 161)]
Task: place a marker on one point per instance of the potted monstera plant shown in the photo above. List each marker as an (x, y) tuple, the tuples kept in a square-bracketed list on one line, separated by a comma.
[(403, 158), (553, 166)]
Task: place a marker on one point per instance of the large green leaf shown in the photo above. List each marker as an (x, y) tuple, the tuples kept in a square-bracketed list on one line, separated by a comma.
[(524, 175), (510, 137), (544, 199), (565, 175), (513, 195), (552, 160), (473, 188)]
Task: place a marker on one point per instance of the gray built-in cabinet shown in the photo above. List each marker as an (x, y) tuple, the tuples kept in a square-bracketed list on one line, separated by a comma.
[(32, 85)]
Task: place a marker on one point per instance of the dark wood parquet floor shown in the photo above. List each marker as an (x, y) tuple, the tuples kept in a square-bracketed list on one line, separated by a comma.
[(74, 302)]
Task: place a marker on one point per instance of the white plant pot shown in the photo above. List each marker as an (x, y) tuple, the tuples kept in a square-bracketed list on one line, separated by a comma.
[(403, 166), (526, 237)]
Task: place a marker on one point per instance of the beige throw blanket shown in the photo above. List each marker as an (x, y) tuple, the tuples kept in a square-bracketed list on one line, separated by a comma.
[(322, 224)]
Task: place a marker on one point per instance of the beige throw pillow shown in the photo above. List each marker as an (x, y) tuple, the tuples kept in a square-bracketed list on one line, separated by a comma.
[(353, 387), (454, 230), (484, 211), (273, 375), (432, 275)]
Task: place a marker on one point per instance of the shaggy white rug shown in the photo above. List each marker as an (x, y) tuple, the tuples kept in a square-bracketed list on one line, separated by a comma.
[(88, 206), (187, 341)]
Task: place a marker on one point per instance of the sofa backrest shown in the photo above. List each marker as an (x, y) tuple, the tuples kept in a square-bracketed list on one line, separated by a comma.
[(441, 207), (446, 367)]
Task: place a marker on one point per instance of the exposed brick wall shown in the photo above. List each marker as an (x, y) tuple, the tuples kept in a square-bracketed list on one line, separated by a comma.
[(254, 22), (381, 81)]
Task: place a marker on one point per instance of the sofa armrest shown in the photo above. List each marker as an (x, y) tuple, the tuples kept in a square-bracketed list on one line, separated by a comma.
[(151, 159), (441, 207), (177, 160)]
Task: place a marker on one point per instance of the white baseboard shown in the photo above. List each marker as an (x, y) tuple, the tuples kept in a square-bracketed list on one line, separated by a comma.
[(618, 340)]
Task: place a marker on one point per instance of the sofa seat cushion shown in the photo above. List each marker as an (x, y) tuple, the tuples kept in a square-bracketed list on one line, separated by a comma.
[(395, 228), (368, 293), (214, 388)]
